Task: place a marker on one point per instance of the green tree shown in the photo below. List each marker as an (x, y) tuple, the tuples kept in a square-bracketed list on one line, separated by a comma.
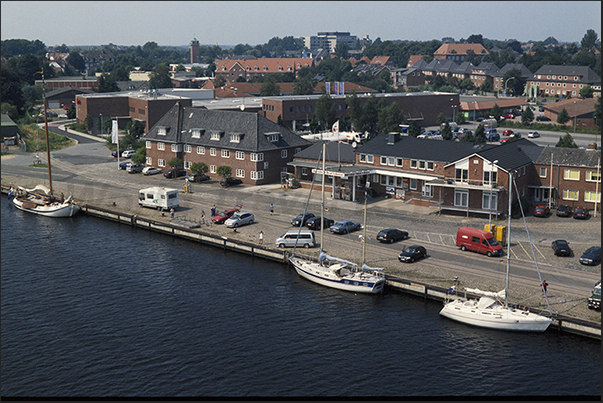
[(141, 156), (341, 50), (180, 67), (480, 134), (304, 86), (441, 118), (325, 111), (447, 132), (390, 118), (586, 91), (176, 163), (354, 110), (597, 113), (76, 61), (106, 83), (224, 171), (219, 81), (460, 118), (476, 38), (199, 168), (589, 41), (466, 84), (414, 129), (527, 116), (486, 87), (496, 112), (270, 87), (160, 77), (566, 141), (563, 117), (71, 113)]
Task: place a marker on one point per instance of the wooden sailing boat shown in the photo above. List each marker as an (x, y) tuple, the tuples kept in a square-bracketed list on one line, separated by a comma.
[(334, 272), (489, 311), (41, 200)]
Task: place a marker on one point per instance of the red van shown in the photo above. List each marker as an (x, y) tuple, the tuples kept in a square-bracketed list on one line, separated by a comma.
[(476, 240)]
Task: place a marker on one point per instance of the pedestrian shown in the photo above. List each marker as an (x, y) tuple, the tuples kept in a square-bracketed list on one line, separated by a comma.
[(62, 198), (544, 284), (172, 212), (202, 215), (271, 208), (213, 210), (261, 237)]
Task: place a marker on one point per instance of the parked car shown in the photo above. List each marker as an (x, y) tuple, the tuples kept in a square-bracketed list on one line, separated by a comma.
[(542, 118), (506, 139), (344, 227), (563, 211), (591, 256), (128, 153), (492, 135), (561, 248), (480, 119), (541, 108), (238, 219), (533, 135), (509, 116), (412, 253), (301, 219), (507, 132), (134, 168), (197, 177), (314, 222), (114, 153), (175, 173), (225, 215), (391, 235), (124, 165), (581, 213), (229, 181), (151, 171), (541, 211)]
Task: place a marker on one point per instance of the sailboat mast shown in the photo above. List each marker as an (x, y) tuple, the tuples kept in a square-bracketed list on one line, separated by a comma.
[(47, 140), (322, 195), (509, 239), (364, 231)]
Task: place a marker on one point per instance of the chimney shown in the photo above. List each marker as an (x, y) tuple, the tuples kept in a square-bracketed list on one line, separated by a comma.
[(392, 138), (592, 146)]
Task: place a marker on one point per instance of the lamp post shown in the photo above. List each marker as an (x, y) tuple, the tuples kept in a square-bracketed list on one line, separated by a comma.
[(491, 164), (453, 108), (506, 82), (101, 123), (575, 116)]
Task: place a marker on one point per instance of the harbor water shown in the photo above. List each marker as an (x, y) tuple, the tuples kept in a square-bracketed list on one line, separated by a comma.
[(92, 308)]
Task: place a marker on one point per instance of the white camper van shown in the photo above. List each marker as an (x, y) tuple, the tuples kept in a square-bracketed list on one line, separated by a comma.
[(159, 198)]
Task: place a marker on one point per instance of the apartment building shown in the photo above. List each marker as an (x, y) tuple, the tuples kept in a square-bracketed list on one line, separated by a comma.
[(564, 81)]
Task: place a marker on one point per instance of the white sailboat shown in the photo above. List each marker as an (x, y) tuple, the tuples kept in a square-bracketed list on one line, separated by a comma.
[(334, 272), (41, 200), (489, 311)]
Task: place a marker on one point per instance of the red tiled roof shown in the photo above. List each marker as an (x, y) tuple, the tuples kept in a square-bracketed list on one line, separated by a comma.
[(265, 65), (460, 49)]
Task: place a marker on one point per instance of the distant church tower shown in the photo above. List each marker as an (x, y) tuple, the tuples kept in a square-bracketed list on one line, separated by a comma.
[(194, 49)]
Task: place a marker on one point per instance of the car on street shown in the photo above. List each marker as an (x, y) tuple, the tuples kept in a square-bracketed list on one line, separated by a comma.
[(151, 171), (344, 227), (509, 116), (115, 153), (542, 118), (581, 213), (533, 135), (239, 219), (230, 181), (564, 211), (134, 168), (561, 248), (507, 132), (391, 235), (541, 211), (124, 165), (314, 223), (492, 135), (175, 173), (412, 253), (225, 215), (301, 219), (591, 256), (128, 153), (197, 177)]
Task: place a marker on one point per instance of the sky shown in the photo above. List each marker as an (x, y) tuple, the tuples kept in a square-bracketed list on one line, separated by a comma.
[(225, 23)]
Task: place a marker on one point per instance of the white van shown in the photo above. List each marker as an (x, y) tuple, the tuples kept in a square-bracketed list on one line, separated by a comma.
[(303, 238), (159, 198)]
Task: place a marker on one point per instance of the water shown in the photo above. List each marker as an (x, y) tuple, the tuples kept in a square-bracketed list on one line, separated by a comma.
[(91, 308)]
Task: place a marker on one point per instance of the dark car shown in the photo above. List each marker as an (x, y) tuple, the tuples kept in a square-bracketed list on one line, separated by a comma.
[(564, 211), (344, 227), (391, 235), (225, 215), (229, 181), (412, 253), (301, 219), (114, 153), (561, 248), (175, 173), (314, 222), (581, 213), (541, 211), (197, 177), (592, 256), (124, 165), (542, 118)]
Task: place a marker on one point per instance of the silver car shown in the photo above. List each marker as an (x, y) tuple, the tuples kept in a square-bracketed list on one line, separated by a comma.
[(238, 219)]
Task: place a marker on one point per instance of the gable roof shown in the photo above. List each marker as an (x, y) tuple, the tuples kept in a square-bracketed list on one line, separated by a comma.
[(525, 73), (573, 157), (272, 65), (582, 106), (335, 152), (460, 49), (587, 75), (254, 130)]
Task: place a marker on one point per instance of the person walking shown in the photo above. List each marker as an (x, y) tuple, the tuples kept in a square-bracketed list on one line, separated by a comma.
[(172, 212), (271, 208), (261, 237), (544, 286), (213, 210)]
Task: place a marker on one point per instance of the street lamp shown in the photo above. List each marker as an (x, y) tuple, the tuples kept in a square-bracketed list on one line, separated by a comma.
[(506, 82), (101, 124), (491, 163), (453, 108), (575, 116)]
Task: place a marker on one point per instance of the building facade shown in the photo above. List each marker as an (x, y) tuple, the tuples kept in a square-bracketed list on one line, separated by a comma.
[(231, 70), (563, 81)]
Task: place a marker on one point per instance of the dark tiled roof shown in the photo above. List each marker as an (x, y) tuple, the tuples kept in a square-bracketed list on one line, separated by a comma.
[(254, 130), (525, 73), (574, 157), (335, 152), (512, 155), (587, 74)]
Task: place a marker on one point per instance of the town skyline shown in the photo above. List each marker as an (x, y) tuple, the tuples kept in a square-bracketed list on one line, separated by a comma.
[(232, 23)]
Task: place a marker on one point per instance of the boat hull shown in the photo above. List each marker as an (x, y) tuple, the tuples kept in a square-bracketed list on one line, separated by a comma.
[(499, 318), (56, 209), (355, 282)]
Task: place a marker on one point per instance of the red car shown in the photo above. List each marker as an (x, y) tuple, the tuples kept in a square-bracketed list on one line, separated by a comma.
[(581, 213), (507, 132), (505, 139), (509, 116), (541, 211), (225, 215)]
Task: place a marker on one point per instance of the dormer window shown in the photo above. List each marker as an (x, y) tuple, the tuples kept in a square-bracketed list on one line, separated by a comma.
[(273, 137), (162, 131), (265, 68), (235, 137), (197, 133), (215, 136), (280, 68)]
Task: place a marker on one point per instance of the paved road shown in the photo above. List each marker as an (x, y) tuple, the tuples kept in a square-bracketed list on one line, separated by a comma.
[(88, 171)]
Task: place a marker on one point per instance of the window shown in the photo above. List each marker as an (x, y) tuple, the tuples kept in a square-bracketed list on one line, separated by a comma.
[(225, 153), (161, 162), (594, 197), (542, 172), (283, 153), (148, 161), (235, 138), (215, 136), (162, 131), (592, 176), (427, 191), (240, 173), (489, 201), (369, 159), (461, 198), (461, 175), (196, 133), (255, 157), (383, 180), (391, 161), (176, 148), (297, 150), (430, 165), (413, 184), (212, 152), (399, 162), (161, 146), (383, 160), (413, 163), (570, 194), (240, 155), (304, 172), (212, 169), (421, 164), (571, 174), (201, 150), (188, 148), (257, 175), (187, 164)]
